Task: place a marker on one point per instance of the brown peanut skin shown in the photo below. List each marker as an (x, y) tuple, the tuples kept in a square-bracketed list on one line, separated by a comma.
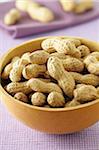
[(48, 44), (85, 51), (64, 78), (69, 63), (25, 57), (67, 47), (33, 70), (15, 87), (38, 57), (76, 42), (86, 93), (21, 97), (92, 63), (91, 58), (6, 71), (16, 72), (59, 55), (56, 99), (94, 68), (14, 59), (90, 79), (38, 99), (73, 64), (8, 68), (41, 86)]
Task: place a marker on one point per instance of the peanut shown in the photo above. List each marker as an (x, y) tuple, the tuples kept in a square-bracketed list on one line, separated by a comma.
[(60, 64), (38, 99), (92, 63), (16, 72), (73, 64), (48, 44), (64, 78), (59, 55), (25, 58), (21, 97), (42, 14), (74, 41), (6, 71), (17, 62), (83, 6), (68, 5), (84, 50), (94, 68), (38, 57), (41, 86), (91, 58), (15, 87), (8, 68), (33, 4), (14, 59), (77, 6), (65, 46), (72, 103), (86, 93), (56, 99), (12, 17), (85, 79), (22, 4), (33, 70), (63, 56)]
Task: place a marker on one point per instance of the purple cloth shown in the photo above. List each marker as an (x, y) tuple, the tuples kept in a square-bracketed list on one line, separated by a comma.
[(16, 136), (62, 19)]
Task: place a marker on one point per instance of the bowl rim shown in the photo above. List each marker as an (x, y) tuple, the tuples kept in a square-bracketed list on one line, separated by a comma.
[(4, 92)]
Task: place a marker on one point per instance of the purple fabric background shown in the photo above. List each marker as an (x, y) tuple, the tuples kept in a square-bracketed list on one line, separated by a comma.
[(62, 19), (16, 136)]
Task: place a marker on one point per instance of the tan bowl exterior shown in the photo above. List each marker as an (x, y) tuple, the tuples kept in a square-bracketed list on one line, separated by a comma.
[(49, 120)]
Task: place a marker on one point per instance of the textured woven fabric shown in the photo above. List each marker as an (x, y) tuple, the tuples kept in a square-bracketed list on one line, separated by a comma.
[(16, 136)]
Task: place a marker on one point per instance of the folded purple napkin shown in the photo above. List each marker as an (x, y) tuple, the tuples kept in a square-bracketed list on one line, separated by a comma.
[(27, 26)]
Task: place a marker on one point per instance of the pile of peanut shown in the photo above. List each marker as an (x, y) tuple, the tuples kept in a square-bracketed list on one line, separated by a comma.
[(64, 73), (77, 6), (35, 10)]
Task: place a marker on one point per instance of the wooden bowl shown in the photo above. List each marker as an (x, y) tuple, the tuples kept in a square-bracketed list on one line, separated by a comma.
[(49, 120)]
